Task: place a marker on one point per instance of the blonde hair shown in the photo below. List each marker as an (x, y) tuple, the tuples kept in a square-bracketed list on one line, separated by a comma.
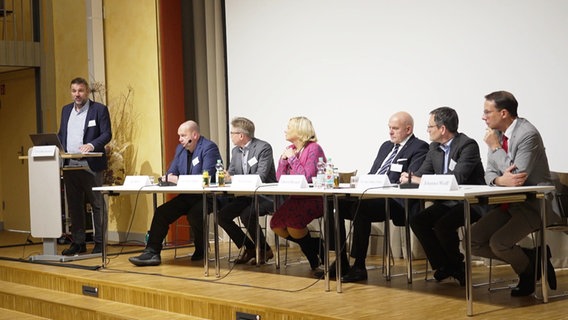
[(302, 127)]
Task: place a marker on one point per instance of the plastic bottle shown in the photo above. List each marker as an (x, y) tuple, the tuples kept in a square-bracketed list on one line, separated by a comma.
[(320, 178), (220, 173), (329, 174), (206, 179)]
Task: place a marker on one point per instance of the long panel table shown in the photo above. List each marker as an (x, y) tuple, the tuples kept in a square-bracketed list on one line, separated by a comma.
[(469, 194)]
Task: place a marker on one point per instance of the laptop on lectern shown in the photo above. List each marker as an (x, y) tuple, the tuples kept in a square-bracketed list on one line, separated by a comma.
[(46, 139)]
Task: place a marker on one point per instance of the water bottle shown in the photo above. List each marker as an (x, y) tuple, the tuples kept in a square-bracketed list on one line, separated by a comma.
[(329, 174), (220, 173), (320, 178)]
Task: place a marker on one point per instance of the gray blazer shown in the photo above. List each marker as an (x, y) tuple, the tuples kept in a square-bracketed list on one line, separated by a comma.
[(261, 158), (527, 152)]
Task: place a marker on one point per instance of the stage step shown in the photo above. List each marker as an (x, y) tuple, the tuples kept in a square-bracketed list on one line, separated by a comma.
[(36, 302), (6, 314)]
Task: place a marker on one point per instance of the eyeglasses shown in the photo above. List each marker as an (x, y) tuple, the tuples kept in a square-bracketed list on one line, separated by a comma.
[(487, 112), (430, 127), (235, 132)]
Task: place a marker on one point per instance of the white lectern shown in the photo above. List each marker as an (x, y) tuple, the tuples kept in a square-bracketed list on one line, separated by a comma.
[(44, 165)]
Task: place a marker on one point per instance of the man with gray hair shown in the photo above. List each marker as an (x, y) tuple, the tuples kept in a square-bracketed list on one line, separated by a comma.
[(249, 156)]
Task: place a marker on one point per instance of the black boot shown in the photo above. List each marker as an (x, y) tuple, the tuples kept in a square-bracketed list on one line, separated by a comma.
[(526, 283), (550, 272), (309, 247)]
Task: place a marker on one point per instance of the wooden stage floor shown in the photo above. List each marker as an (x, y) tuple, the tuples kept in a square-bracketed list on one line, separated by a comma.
[(179, 286)]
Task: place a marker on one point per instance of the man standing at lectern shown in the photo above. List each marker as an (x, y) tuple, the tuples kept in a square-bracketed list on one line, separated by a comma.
[(85, 127)]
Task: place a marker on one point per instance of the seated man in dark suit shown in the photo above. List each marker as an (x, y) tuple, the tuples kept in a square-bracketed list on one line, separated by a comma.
[(402, 152), (436, 227), (249, 156), (194, 154)]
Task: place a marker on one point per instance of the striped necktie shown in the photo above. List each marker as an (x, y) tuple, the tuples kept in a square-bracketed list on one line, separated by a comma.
[(385, 167)]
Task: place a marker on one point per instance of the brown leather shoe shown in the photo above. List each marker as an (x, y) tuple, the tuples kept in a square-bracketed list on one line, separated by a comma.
[(246, 256), (264, 257)]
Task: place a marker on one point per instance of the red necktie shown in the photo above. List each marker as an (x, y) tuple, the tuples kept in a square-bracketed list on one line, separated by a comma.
[(505, 143), (505, 146)]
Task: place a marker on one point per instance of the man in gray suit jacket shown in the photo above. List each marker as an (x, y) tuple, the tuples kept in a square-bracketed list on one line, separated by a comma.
[(516, 157), (249, 156)]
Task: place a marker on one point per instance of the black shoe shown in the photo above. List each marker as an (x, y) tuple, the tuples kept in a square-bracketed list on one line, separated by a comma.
[(148, 258), (98, 248), (319, 274), (74, 249), (355, 274), (246, 256), (459, 275), (526, 284), (264, 257), (441, 274), (197, 255)]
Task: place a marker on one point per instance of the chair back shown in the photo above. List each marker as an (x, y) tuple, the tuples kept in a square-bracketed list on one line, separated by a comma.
[(560, 205), (345, 177)]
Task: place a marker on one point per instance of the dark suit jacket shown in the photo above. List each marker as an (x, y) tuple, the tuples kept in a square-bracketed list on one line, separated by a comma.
[(414, 150), (264, 166), (98, 134), (465, 152), (204, 157)]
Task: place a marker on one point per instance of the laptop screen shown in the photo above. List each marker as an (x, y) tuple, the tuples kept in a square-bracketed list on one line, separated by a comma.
[(46, 139)]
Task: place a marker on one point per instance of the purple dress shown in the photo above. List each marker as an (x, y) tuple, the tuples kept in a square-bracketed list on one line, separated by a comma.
[(298, 211)]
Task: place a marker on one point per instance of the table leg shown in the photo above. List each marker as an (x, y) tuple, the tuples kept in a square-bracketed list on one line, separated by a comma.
[(205, 236), (388, 253), (215, 237), (408, 244), (326, 244), (257, 239), (543, 256), (467, 234), (337, 244)]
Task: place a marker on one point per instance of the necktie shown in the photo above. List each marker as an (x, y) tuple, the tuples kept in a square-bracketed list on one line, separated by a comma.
[(505, 143), (446, 149), (505, 146), (244, 159), (385, 167)]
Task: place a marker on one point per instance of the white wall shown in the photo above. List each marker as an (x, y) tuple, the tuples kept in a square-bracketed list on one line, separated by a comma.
[(348, 65)]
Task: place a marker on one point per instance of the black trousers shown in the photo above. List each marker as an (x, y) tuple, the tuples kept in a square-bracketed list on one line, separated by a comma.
[(436, 228), (188, 204), (79, 190), (363, 213), (243, 207)]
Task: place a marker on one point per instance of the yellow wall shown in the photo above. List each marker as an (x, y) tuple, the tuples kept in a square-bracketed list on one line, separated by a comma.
[(131, 53), (69, 50), (131, 50)]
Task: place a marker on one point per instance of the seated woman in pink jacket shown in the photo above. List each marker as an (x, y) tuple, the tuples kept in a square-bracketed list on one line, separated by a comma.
[(292, 218)]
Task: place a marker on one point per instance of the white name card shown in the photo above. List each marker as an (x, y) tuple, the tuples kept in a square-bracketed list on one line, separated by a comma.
[(293, 181), (245, 181), (137, 181), (44, 151), (373, 181), (438, 182), (190, 181)]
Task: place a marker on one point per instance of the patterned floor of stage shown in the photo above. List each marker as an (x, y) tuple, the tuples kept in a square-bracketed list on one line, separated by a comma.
[(179, 285)]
